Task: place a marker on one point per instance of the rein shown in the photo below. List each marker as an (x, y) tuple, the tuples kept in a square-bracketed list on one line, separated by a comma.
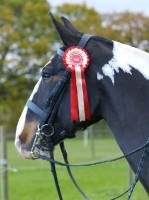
[(44, 136), (67, 165)]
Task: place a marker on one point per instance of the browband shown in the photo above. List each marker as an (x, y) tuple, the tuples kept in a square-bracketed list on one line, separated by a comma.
[(60, 52)]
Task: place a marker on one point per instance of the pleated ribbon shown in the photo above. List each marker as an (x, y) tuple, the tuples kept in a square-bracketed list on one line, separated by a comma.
[(76, 59)]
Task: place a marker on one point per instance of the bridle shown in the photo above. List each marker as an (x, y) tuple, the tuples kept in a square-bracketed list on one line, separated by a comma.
[(48, 114), (47, 127), (44, 136)]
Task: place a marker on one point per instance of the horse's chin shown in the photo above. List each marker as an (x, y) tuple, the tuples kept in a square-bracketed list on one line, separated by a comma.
[(27, 153)]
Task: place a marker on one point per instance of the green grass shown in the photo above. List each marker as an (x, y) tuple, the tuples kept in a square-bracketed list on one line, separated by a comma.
[(33, 180)]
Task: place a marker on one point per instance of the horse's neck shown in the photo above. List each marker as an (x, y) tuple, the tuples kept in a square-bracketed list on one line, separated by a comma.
[(125, 101), (126, 92)]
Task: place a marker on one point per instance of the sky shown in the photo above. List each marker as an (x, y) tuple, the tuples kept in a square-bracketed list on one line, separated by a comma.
[(103, 6)]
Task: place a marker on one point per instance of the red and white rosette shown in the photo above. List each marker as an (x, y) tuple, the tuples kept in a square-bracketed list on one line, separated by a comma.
[(76, 60)]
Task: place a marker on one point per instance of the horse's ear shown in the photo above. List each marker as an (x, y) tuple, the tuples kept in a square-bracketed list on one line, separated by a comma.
[(69, 26), (66, 35)]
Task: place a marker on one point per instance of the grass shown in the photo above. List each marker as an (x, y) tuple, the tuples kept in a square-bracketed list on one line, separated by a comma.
[(33, 180)]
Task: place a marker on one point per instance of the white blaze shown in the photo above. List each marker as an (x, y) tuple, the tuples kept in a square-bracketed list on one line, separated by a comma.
[(21, 121), (125, 57)]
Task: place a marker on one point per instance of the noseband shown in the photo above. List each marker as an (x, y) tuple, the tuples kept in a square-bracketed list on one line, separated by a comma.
[(46, 131)]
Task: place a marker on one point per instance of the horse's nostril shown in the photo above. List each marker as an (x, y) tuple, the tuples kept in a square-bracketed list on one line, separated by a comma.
[(19, 145), (20, 138)]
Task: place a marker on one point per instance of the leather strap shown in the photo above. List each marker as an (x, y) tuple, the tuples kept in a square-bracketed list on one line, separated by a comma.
[(60, 52), (34, 108), (84, 39)]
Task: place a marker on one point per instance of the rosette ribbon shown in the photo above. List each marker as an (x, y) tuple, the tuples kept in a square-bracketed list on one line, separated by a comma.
[(76, 59)]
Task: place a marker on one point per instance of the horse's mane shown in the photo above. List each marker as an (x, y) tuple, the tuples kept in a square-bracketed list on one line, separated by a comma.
[(102, 39)]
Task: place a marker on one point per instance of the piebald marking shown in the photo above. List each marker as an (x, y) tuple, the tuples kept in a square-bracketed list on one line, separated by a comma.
[(125, 57)]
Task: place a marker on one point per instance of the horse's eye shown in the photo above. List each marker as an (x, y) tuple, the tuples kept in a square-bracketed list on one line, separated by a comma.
[(46, 77)]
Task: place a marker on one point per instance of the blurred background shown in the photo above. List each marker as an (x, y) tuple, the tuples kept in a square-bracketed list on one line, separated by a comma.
[(28, 41)]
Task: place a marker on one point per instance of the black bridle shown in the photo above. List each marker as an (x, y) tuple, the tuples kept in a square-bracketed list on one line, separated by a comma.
[(47, 127), (44, 136), (48, 114)]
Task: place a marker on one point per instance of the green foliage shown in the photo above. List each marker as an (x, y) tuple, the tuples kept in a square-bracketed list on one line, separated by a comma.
[(128, 28), (28, 40), (87, 20), (24, 47)]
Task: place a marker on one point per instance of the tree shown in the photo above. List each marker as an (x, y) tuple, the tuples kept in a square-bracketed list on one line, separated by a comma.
[(128, 28), (28, 41), (85, 19), (26, 35)]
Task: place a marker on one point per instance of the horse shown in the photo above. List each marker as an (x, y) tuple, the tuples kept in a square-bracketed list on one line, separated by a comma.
[(115, 81)]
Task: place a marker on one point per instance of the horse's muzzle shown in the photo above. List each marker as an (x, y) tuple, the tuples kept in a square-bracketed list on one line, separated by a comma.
[(23, 152), (29, 154)]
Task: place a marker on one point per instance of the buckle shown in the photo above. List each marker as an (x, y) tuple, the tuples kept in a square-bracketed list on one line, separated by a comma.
[(40, 143)]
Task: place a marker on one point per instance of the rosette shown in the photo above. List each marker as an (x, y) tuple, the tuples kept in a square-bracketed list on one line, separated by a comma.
[(76, 59)]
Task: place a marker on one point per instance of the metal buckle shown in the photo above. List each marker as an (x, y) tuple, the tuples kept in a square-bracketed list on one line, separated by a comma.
[(39, 137), (36, 140)]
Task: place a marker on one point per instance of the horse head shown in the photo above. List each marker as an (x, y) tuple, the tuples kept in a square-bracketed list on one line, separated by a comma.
[(51, 75)]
